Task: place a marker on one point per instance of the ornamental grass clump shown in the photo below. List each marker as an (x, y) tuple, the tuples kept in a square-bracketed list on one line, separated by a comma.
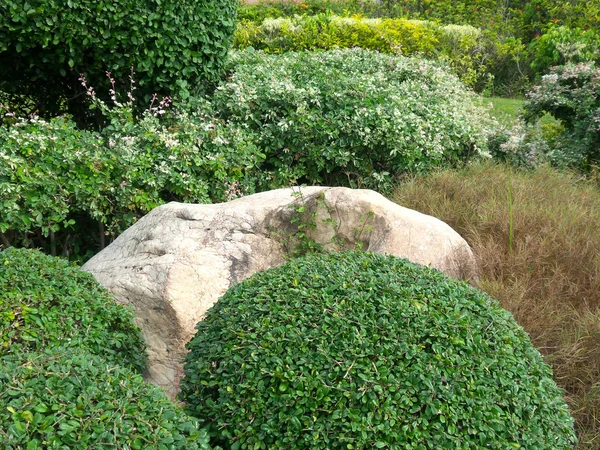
[(46, 302), (359, 350), (68, 398)]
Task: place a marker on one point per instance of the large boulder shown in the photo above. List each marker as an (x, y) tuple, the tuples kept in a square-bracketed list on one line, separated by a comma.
[(175, 263)]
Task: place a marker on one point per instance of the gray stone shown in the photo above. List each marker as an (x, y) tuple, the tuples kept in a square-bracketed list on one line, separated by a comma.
[(175, 262)]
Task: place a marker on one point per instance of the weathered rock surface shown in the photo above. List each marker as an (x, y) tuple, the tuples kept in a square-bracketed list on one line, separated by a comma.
[(175, 263)]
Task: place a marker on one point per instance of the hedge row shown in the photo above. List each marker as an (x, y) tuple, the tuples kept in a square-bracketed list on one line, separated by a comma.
[(523, 19), (481, 59)]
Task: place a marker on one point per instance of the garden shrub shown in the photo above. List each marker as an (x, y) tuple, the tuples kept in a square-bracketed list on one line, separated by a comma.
[(479, 58), (173, 46), (273, 9), (359, 350), (71, 191), (561, 45), (349, 117), (46, 302), (571, 94), (67, 398)]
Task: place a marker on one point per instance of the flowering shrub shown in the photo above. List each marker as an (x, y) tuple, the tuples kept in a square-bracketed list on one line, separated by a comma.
[(345, 117), (349, 117), (572, 95), (71, 191)]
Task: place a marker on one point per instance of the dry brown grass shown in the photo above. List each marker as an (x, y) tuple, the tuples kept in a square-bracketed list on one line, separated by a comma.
[(550, 279)]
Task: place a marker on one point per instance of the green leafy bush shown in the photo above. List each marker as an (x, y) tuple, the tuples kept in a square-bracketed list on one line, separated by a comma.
[(358, 350), (71, 191), (45, 302), (326, 32), (571, 94), (173, 46), (561, 45), (479, 58), (349, 117), (65, 398)]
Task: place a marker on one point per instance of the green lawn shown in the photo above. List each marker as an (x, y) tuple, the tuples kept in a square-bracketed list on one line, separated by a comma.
[(506, 110)]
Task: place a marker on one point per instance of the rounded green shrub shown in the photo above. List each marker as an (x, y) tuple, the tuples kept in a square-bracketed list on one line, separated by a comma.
[(358, 350), (47, 302), (171, 45), (67, 398), (349, 117)]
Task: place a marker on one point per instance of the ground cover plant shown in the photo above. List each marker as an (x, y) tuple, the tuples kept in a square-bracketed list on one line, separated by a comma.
[(173, 46), (359, 350), (67, 398), (47, 302), (548, 278)]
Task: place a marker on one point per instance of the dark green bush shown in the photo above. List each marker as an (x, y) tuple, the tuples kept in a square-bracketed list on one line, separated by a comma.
[(45, 302), (67, 398), (349, 117), (358, 350), (173, 46)]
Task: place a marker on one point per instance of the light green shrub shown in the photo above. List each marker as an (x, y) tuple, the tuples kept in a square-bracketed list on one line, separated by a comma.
[(481, 59), (349, 117)]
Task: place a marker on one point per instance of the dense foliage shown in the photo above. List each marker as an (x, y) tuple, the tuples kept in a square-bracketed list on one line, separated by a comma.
[(571, 94), (71, 191), (357, 350), (524, 19), (349, 117), (173, 46), (46, 302), (481, 59), (65, 398), (515, 42), (562, 45)]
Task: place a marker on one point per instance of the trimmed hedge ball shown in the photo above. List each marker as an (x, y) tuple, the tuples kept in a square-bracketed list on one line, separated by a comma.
[(359, 350), (46, 302), (68, 398)]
